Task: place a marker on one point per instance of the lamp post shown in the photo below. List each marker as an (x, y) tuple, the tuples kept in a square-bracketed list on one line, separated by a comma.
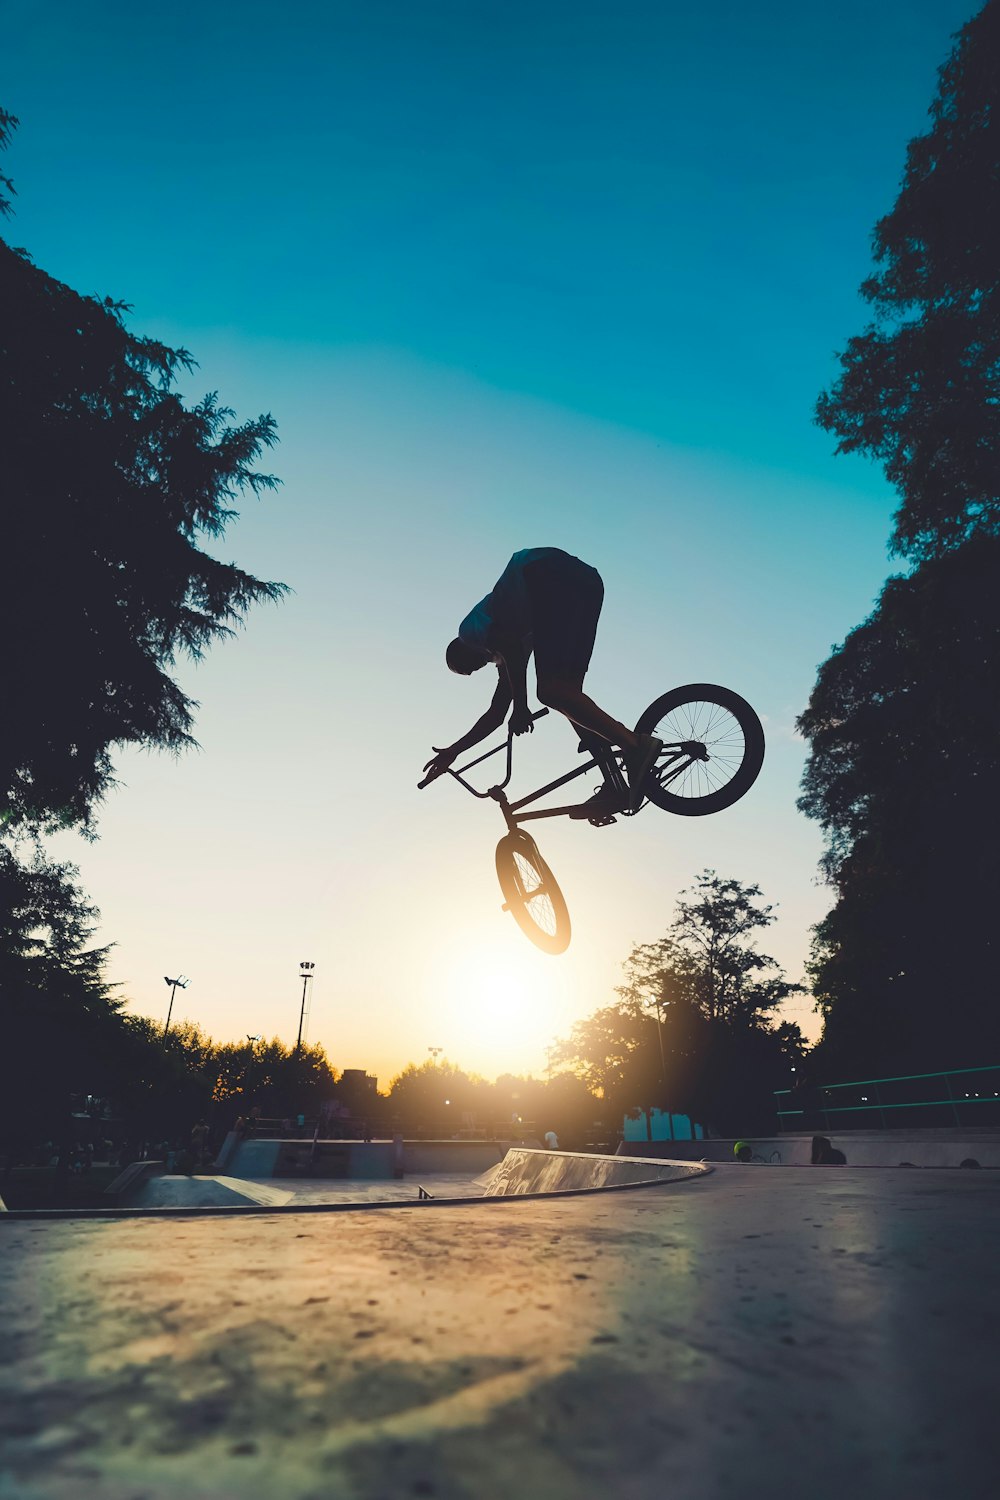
[(435, 1052), (175, 984), (305, 969)]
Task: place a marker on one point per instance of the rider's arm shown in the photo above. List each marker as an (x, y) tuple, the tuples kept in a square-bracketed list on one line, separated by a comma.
[(490, 720), (514, 666), (484, 726)]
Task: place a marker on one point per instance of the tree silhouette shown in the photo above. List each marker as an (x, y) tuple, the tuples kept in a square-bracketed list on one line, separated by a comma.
[(714, 935), (712, 993), (109, 483), (920, 386), (60, 1018), (904, 776), (904, 764)]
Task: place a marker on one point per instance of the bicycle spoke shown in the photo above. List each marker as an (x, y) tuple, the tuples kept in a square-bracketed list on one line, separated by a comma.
[(536, 899), (712, 749), (700, 722), (542, 913)]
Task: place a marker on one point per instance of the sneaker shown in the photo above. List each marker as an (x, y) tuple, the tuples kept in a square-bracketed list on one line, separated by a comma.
[(603, 804), (638, 764)]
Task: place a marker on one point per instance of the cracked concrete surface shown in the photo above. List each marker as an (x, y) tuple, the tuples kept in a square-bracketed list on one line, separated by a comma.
[(778, 1333)]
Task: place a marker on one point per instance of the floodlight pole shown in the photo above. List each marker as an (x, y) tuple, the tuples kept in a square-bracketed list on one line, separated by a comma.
[(179, 983), (305, 969)]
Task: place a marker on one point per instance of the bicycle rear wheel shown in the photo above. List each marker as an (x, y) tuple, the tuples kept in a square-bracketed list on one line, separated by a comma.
[(713, 749), (531, 893)]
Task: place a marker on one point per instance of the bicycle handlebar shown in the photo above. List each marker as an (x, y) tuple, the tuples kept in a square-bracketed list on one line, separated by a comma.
[(507, 743)]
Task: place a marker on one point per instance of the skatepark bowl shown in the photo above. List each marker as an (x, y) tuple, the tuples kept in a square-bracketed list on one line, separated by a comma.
[(539, 1324)]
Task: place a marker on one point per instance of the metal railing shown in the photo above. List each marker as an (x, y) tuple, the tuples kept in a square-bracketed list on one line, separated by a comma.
[(971, 1096)]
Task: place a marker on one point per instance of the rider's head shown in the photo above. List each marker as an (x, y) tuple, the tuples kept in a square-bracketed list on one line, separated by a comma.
[(463, 658)]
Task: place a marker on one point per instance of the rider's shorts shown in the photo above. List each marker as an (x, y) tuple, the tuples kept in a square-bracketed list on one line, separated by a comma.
[(565, 596)]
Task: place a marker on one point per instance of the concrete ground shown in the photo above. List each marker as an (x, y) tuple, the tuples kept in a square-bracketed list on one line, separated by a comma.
[(814, 1333)]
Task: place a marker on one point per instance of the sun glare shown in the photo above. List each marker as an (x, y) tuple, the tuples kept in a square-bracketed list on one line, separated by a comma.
[(494, 1002)]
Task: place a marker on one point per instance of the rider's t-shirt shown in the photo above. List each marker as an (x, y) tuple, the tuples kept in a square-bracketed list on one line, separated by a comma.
[(505, 612)]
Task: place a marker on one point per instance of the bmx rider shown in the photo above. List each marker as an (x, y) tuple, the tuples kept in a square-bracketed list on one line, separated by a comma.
[(547, 602)]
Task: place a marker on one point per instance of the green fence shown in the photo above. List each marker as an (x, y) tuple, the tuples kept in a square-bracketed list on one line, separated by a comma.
[(962, 1096)]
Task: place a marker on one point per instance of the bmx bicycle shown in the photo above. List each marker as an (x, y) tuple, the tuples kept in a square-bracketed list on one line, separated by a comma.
[(713, 749)]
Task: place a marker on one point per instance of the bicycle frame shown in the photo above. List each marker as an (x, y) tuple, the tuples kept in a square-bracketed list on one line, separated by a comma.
[(603, 757)]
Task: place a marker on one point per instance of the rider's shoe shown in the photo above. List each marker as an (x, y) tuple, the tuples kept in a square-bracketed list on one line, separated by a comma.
[(638, 764), (603, 804)]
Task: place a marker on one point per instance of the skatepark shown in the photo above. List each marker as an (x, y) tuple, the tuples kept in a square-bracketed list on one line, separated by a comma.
[(592, 1325)]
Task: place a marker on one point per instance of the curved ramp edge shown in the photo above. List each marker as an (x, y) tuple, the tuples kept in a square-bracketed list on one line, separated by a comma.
[(527, 1171), (205, 1192)]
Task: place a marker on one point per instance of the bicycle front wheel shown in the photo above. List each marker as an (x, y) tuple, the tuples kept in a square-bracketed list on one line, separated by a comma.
[(713, 749), (531, 893)]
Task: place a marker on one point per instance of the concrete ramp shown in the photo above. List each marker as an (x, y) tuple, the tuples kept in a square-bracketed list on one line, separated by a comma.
[(205, 1192), (526, 1171)]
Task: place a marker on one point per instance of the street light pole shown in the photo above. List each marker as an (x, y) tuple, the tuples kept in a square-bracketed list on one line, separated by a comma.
[(435, 1053), (305, 969), (179, 983), (659, 1033)]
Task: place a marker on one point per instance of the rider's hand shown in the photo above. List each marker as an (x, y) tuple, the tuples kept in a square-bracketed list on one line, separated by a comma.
[(442, 760), (520, 721)]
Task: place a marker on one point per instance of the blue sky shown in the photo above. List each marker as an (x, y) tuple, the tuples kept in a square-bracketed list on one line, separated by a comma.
[(506, 275)]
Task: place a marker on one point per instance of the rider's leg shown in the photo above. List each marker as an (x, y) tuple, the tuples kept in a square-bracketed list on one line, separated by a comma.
[(566, 596), (567, 697), (641, 751)]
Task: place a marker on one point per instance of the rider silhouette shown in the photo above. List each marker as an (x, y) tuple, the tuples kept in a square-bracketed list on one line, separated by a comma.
[(548, 602)]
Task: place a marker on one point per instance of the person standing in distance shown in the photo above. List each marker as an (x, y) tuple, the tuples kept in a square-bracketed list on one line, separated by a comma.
[(547, 602)]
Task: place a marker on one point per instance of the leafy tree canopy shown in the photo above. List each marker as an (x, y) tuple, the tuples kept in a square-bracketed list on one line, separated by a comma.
[(60, 1018), (902, 720), (903, 776), (920, 387), (109, 482), (692, 1030), (709, 960), (903, 768)]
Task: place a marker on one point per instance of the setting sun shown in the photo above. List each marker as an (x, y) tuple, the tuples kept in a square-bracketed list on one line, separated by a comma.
[(500, 999)]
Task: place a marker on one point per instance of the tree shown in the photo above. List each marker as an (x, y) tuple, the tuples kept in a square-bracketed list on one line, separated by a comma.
[(60, 1017), (920, 387), (904, 777), (109, 482), (566, 1105), (431, 1099), (8, 124), (279, 1079), (712, 938), (614, 1052), (903, 765), (713, 994)]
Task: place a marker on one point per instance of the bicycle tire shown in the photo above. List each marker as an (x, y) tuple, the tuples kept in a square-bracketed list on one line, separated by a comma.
[(531, 893), (738, 756)]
